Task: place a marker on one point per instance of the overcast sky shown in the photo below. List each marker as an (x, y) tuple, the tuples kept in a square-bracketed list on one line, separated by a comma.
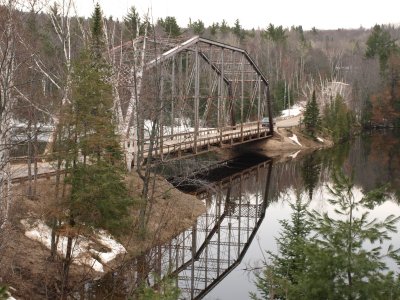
[(322, 14)]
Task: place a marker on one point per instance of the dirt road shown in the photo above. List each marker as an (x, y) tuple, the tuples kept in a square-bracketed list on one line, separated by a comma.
[(289, 122)]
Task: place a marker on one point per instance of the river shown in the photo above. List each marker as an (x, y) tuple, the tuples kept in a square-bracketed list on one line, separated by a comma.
[(245, 199), (373, 158)]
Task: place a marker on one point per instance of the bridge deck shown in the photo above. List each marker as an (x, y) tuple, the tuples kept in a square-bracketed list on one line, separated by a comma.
[(171, 147), (188, 143)]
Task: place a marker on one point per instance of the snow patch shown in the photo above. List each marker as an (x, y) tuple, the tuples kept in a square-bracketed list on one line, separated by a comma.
[(320, 139), (294, 155), (116, 248), (295, 110), (9, 297), (295, 139), (82, 251)]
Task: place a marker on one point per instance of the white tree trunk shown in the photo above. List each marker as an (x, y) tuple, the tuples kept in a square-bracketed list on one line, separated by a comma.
[(130, 127), (7, 58), (5, 167), (128, 124), (62, 27)]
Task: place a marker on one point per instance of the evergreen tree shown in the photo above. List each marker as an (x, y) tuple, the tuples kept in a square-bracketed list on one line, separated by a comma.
[(321, 257), (213, 28), (198, 27), (96, 176), (314, 31), (224, 28), (135, 25), (97, 194), (238, 30), (380, 44), (170, 26), (99, 197), (97, 39), (337, 119), (284, 269), (275, 34), (311, 116), (132, 22)]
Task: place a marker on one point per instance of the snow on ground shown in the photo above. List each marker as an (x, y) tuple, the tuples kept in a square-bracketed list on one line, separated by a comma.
[(180, 126), (320, 139), (82, 251), (19, 131), (295, 110), (9, 297), (295, 139), (116, 248), (294, 155)]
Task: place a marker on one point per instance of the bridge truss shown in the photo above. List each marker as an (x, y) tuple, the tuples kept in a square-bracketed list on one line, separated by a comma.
[(196, 85)]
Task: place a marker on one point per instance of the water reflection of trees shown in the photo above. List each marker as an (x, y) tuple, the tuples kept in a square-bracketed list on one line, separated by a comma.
[(374, 159), (333, 255), (307, 173), (310, 172)]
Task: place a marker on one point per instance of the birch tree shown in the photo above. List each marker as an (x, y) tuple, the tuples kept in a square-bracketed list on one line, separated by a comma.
[(7, 71), (128, 122), (60, 19)]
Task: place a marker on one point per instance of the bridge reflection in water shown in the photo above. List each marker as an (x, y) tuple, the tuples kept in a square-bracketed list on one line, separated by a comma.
[(201, 256)]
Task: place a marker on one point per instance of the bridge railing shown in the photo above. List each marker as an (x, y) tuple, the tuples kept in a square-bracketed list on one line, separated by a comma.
[(205, 139)]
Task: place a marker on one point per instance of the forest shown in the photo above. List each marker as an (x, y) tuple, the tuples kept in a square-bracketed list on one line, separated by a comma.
[(60, 77)]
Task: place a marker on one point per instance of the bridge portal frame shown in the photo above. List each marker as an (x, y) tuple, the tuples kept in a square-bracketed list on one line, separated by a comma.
[(224, 87)]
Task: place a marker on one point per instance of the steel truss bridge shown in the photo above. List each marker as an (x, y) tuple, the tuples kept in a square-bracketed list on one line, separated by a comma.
[(203, 94), (203, 255)]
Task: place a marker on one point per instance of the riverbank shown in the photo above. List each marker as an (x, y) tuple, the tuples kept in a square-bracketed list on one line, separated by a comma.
[(25, 263), (288, 141)]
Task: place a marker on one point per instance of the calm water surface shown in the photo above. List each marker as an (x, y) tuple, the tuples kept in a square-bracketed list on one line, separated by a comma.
[(245, 201), (372, 158)]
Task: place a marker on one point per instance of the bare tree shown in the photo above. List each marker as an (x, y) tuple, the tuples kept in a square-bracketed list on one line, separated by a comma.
[(128, 118), (7, 71)]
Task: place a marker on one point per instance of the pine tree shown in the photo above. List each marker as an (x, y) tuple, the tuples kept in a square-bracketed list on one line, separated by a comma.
[(283, 269), (238, 30), (311, 116), (224, 28), (170, 26), (380, 44), (132, 22), (339, 265), (97, 39), (338, 119), (213, 28), (321, 257), (198, 27), (97, 195)]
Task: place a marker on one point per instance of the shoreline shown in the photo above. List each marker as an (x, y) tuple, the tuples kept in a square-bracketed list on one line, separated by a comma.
[(172, 212)]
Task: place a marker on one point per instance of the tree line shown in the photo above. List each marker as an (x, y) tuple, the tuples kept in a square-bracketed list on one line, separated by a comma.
[(60, 69)]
